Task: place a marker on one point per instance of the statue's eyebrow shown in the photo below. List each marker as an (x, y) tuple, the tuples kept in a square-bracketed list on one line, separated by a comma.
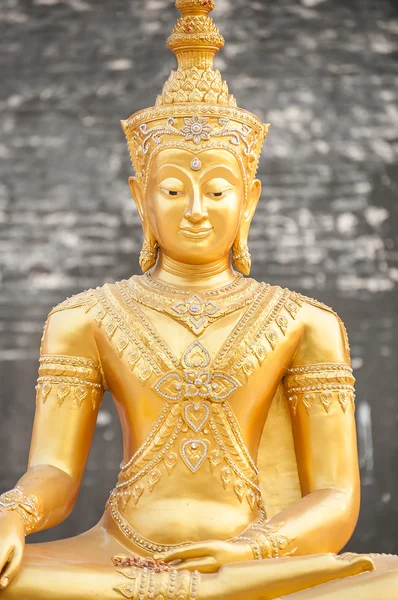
[(222, 169), (171, 166)]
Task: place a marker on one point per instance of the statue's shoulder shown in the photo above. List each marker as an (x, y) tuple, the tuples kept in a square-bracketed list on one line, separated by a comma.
[(294, 301), (298, 298), (321, 320), (308, 301), (69, 328), (86, 299)]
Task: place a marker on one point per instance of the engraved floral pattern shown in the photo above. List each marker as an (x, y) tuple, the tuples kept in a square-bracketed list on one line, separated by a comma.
[(196, 129), (197, 381)]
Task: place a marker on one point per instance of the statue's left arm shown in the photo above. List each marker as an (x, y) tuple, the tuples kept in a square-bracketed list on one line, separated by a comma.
[(320, 394)]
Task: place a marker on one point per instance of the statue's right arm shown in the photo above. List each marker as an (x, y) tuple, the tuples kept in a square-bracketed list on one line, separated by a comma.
[(69, 392)]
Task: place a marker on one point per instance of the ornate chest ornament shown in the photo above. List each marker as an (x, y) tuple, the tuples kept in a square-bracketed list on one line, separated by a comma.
[(196, 380), (195, 310)]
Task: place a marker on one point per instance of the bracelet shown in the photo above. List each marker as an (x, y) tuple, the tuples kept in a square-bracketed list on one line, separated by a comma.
[(25, 506), (253, 545), (265, 542)]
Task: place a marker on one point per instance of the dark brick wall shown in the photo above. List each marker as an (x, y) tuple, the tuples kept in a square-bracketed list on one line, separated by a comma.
[(323, 72)]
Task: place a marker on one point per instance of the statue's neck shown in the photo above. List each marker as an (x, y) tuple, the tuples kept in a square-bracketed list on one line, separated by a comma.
[(204, 276)]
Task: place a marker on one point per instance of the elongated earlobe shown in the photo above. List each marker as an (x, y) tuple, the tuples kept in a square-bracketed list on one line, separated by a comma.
[(149, 250), (241, 256), (148, 254)]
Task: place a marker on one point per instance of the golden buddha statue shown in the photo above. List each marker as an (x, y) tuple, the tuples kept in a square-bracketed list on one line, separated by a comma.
[(240, 474)]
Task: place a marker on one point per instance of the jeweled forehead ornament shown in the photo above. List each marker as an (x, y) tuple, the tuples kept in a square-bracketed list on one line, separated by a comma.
[(195, 164), (195, 110)]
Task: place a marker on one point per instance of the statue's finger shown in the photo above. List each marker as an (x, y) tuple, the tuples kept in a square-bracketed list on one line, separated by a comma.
[(191, 551), (206, 564), (10, 567), (5, 558)]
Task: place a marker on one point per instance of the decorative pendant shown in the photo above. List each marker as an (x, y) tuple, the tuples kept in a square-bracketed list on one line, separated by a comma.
[(45, 390), (293, 401), (196, 415), (196, 356), (110, 329), (193, 453), (138, 488), (326, 400), (215, 458), (122, 344), (154, 477), (96, 395), (62, 392), (240, 489), (197, 311), (80, 394), (226, 476), (343, 399), (170, 461), (272, 337), (308, 400), (132, 358), (282, 323), (251, 499)]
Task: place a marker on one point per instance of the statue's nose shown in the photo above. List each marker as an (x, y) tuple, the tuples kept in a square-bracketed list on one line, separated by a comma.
[(196, 211)]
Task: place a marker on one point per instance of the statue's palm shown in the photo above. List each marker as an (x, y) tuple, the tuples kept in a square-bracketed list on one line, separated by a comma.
[(12, 544)]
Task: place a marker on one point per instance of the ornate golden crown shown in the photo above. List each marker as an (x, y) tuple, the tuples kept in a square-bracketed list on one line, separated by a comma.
[(195, 111)]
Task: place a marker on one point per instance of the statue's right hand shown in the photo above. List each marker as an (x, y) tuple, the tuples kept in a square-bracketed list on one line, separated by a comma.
[(12, 544)]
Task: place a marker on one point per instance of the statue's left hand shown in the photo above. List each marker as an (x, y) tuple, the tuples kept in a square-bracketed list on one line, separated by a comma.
[(207, 557)]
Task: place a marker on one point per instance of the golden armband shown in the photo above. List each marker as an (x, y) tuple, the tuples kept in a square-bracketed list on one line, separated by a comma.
[(25, 506), (324, 384), (70, 378)]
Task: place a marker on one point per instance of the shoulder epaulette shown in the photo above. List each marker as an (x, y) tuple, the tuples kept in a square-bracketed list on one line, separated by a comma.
[(315, 302), (87, 298)]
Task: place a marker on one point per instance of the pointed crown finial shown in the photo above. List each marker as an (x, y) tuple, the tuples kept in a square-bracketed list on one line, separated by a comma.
[(195, 39)]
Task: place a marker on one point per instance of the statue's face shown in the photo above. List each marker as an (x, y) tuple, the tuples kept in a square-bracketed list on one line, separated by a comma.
[(195, 214)]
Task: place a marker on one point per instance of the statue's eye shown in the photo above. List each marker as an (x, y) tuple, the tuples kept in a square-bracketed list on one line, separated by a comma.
[(171, 192), (218, 194)]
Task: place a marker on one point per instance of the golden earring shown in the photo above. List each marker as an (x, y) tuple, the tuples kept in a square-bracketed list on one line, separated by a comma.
[(148, 254), (241, 256)]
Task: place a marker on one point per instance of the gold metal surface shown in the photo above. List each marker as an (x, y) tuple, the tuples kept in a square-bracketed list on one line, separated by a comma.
[(240, 476)]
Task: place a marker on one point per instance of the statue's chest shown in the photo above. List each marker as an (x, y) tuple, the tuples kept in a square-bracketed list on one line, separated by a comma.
[(155, 352)]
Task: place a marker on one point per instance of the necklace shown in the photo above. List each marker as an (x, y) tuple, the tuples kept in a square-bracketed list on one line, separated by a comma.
[(195, 310), (179, 291)]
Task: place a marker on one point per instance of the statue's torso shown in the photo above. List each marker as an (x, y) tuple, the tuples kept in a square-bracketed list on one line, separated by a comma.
[(192, 405)]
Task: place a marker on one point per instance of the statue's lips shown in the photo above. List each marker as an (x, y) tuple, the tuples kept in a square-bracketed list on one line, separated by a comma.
[(196, 232)]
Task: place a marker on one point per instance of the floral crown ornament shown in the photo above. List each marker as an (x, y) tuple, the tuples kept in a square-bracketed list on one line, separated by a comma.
[(195, 110)]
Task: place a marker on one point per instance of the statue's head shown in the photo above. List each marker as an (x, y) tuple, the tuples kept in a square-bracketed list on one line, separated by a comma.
[(195, 155)]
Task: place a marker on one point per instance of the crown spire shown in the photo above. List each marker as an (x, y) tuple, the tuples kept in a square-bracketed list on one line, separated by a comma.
[(195, 39)]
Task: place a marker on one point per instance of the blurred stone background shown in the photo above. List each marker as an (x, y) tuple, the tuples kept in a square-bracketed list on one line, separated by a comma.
[(323, 72)]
